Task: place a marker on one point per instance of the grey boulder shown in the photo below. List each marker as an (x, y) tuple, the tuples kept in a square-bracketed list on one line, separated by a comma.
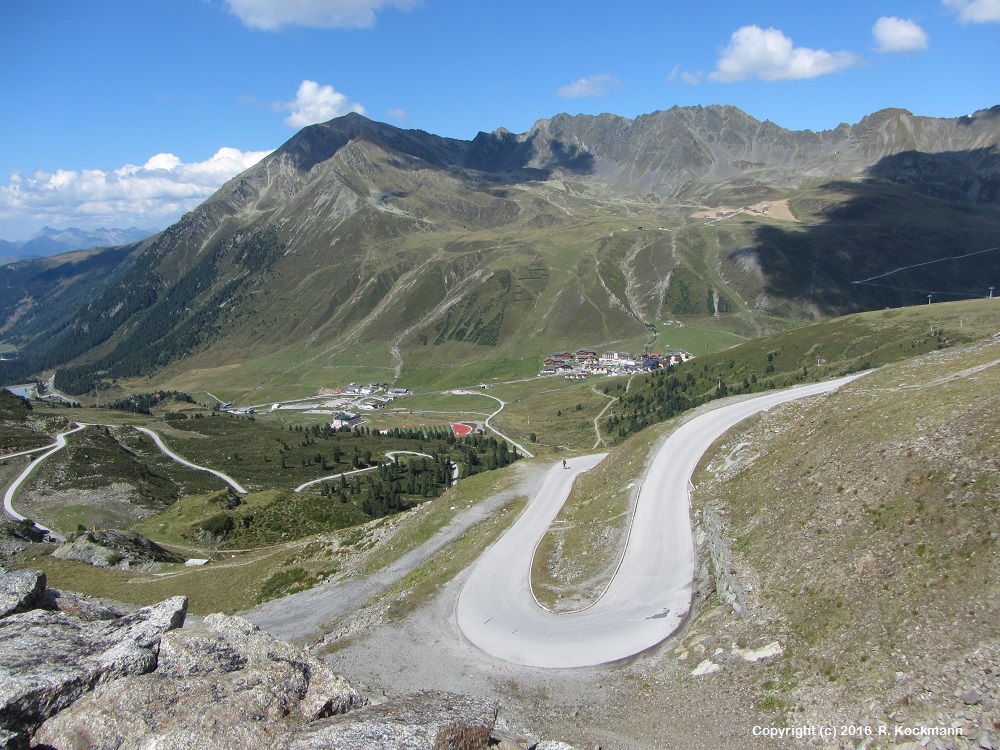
[(20, 590), (48, 660), (428, 720), (221, 683)]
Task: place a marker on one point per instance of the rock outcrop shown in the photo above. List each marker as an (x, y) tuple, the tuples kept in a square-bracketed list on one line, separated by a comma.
[(18, 536), (48, 659), (20, 590), (113, 548), (77, 675), (427, 720), (221, 683), (81, 607)]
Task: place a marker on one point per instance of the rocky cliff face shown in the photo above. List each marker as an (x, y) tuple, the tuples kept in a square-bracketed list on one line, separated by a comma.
[(17, 536), (75, 675)]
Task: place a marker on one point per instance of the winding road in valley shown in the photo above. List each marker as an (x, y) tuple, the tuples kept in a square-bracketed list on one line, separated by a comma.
[(183, 461), (8, 497), (502, 403), (60, 443), (650, 594)]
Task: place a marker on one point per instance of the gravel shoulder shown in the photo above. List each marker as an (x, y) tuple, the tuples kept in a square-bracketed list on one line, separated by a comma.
[(310, 615)]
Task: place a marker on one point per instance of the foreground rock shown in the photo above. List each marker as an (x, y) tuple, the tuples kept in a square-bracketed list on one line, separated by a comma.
[(77, 675), (20, 590), (50, 659), (423, 721), (75, 605), (113, 548), (221, 683)]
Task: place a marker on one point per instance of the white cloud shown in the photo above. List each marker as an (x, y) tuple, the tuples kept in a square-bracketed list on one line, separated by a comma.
[(157, 192), (599, 85), (768, 54), (975, 11), (898, 35), (314, 103), (271, 15), (684, 76), (399, 115)]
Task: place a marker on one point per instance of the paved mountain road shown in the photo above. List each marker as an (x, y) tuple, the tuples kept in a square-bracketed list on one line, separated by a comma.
[(184, 462), (650, 594), (8, 498)]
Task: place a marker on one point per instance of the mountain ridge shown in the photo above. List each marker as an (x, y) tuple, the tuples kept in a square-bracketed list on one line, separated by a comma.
[(398, 248)]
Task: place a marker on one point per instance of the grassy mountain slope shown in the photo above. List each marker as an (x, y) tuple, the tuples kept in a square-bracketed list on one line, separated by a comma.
[(38, 298), (808, 353), (863, 531), (859, 531), (358, 247)]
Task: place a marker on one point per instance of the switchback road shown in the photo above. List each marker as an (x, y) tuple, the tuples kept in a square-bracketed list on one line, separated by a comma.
[(183, 461), (650, 594)]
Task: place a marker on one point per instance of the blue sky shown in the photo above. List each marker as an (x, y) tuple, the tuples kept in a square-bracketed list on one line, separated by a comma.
[(132, 112)]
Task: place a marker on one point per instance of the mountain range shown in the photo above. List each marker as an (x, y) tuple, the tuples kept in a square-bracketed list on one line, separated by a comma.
[(48, 241), (358, 249)]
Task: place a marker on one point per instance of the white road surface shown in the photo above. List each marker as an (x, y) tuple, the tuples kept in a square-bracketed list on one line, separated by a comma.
[(650, 594), (162, 446), (8, 498)]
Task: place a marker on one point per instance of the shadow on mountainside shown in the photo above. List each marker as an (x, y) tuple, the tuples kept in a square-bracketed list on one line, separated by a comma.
[(506, 158), (917, 224), (502, 155)]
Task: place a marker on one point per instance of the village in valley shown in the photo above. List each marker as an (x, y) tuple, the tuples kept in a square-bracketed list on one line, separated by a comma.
[(583, 363), (343, 406)]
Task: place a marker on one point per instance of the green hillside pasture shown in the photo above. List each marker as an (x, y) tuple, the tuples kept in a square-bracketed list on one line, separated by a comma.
[(189, 481), (811, 353), (17, 437), (236, 580), (267, 376), (20, 428), (229, 585), (274, 516), (96, 481), (267, 455), (13, 408), (256, 520), (560, 412), (176, 526), (864, 516), (459, 364), (694, 339), (436, 409)]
